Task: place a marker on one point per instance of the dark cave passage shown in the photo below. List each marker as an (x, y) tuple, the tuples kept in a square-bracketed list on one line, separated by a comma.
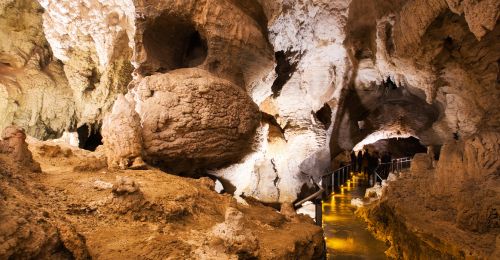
[(88, 138), (285, 69), (397, 147), (171, 43)]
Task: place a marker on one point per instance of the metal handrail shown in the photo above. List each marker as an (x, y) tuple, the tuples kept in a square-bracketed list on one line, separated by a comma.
[(396, 165), (310, 197), (342, 175)]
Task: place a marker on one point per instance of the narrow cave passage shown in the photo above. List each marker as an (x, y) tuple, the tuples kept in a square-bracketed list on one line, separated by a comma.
[(347, 236), (368, 164), (88, 138)]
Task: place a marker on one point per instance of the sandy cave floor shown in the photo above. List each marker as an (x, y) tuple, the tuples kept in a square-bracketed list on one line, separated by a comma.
[(169, 217)]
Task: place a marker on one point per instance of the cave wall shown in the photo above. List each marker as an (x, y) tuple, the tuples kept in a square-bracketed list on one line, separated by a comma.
[(324, 75), (63, 63), (34, 92)]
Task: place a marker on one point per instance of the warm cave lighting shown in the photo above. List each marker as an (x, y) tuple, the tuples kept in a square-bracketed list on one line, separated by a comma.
[(345, 233), (250, 129), (380, 135)]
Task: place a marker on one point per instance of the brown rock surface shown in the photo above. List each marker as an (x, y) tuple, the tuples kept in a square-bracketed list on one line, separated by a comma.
[(29, 228), (13, 143), (121, 132), (192, 119), (224, 37), (170, 217), (457, 211)]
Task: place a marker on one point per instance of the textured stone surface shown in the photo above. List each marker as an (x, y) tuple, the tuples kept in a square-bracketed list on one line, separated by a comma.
[(449, 211), (121, 131), (344, 70), (92, 39), (47, 96), (34, 93), (59, 214), (231, 32), (192, 119), (27, 229), (13, 143)]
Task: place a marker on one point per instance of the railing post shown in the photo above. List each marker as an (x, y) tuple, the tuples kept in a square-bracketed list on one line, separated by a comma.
[(318, 211), (323, 179), (332, 181), (338, 179)]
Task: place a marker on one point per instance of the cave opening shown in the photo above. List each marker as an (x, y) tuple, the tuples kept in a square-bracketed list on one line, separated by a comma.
[(89, 138), (389, 84), (397, 147), (324, 115), (172, 42), (284, 69), (196, 51)]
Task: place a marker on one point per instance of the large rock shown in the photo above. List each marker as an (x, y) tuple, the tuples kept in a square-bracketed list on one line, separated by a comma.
[(121, 131), (192, 119), (14, 144)]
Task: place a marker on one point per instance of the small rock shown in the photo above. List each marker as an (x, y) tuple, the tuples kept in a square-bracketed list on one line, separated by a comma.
[(102, 185), (287, 210), (125, 185)]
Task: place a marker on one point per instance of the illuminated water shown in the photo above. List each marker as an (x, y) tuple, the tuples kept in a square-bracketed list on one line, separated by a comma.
[(346, 235)]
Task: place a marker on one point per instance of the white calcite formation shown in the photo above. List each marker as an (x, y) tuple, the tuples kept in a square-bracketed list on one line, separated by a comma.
[(48, 89), (93, 40)]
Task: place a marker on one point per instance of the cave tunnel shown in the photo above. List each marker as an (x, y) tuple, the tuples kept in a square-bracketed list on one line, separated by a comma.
[(397, 147), (228, 129), (392, 123), (88, 137), (384, 107), (172, 42)]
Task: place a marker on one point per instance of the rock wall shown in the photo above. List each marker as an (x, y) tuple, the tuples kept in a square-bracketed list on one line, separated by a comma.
[(34, 92), (341, 71), (433, 57), (93, 39), (49, 89), (457, 212)]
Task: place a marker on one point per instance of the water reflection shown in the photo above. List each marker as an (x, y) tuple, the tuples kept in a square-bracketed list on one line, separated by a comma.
[(346, 235)]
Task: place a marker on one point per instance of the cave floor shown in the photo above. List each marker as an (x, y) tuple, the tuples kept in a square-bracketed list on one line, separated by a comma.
[(346, 234)]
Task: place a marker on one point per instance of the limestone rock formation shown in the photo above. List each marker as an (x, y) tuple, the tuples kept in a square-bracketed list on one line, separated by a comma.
[(48, 92), (236, 237), (458, 203), (265, 95), (93, 40), (34, 93), (342, 71), (121, 131), (13, 143), (192, 119), (225, 37)]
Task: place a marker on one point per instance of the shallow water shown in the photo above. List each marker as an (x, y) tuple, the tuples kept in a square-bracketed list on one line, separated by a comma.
[(346, 235)]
